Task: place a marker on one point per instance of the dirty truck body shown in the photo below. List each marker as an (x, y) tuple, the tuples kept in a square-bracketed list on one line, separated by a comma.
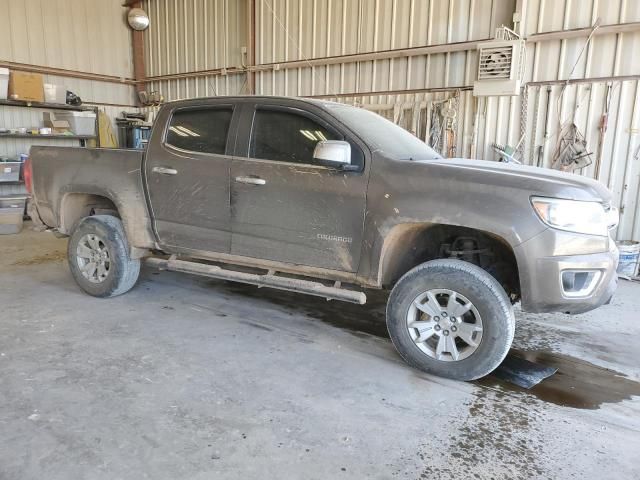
[(329, 199)]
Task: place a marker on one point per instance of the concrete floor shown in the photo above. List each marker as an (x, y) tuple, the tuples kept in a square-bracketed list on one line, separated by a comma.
[(191, 378)]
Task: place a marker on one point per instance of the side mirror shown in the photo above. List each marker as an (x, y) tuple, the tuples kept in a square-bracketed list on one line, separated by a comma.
[(335, 154)]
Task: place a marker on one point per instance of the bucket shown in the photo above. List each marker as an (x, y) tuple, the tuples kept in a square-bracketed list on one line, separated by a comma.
[(629, 253)]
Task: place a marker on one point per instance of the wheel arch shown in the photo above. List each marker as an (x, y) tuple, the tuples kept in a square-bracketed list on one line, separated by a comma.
[(410, 244), (76, 205)]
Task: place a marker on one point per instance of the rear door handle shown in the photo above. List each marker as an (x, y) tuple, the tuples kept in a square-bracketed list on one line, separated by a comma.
[(164, 170), (251, 180)]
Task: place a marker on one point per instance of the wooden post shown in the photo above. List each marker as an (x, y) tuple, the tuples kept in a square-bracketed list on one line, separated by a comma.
[(139, 67)]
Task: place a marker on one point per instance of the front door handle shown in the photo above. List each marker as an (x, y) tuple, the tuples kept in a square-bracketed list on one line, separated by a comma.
[(164, 170), (251, 180)]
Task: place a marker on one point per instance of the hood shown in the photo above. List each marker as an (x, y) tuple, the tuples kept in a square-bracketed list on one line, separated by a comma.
[(538, 181)]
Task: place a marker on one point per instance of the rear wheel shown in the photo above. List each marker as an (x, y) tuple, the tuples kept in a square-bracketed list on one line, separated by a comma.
[(451, 318), (98, 255)]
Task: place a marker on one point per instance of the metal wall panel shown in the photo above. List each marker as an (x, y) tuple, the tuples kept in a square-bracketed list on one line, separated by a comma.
[(91, 35), (88, 36), (300, 30), (193, 35), (606, 55)]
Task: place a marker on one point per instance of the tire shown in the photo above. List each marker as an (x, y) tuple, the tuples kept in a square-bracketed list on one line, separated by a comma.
[(489, 322), (121, 272)]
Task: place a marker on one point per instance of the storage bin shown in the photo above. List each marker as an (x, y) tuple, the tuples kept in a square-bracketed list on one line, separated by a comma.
[(13, 189), (629, 255), (55, 93), (11, 214), (10, 171), (81, 123), (13, 202), (4, 83)]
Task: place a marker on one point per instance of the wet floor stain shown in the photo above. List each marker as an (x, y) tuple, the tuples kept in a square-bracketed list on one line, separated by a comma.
[(497, 432), (56, 256), (577, 383)]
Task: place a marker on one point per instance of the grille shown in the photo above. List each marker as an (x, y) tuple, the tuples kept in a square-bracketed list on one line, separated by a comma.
[(495, 63)]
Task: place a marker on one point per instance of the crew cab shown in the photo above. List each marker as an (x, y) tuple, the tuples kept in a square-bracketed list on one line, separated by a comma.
[(329, 200)]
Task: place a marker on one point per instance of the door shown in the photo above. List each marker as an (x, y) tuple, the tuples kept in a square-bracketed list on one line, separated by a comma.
[(187, 173), (286, 208)]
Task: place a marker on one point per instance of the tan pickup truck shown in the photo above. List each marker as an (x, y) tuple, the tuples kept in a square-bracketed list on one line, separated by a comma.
[(328, 199)]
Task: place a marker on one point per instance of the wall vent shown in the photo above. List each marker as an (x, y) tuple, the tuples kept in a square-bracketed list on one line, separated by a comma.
[(501, 65)]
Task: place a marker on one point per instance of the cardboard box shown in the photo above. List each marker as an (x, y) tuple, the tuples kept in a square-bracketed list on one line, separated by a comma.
[(56, 126), (27, 86)]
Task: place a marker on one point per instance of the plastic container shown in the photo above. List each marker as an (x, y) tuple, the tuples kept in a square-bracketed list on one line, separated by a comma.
[(13, 201), (55, 93), (629, 252), (11, 214), (4, 83), (80, 123), (10, 171)]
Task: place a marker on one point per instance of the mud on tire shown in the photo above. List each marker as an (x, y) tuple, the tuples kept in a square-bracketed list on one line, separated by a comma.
[(115, 272), (473, 290)]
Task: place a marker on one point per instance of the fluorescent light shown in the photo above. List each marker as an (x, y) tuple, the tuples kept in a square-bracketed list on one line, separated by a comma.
[(309, 135), (175, 130), (187, 131)]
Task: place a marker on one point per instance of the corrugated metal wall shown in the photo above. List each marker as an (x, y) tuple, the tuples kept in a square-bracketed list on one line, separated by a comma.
[(209, 34), (87, 36), (192, 35), (293, 30)]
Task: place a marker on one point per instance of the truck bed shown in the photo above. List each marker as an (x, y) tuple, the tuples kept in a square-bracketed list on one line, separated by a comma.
[(64, 174)]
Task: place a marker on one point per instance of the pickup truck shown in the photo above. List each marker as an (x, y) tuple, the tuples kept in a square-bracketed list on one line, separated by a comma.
[(328, 199)]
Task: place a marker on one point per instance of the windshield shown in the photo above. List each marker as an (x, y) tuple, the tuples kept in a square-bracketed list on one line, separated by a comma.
[(381, 134)]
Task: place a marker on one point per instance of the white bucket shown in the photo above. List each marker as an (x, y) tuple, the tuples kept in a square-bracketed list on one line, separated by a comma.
[(629, 253)]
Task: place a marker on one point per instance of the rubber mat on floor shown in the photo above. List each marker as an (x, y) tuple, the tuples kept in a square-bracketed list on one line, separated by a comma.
[(521, 372)]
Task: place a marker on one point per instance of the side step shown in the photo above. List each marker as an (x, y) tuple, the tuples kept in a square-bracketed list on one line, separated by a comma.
[(265, 280)]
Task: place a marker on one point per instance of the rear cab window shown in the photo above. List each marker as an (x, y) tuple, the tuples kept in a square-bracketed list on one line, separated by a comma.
[(200, 130)]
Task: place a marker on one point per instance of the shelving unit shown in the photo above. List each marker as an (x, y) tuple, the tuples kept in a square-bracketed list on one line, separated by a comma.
[(17, 188), (52, 106), (46, 106), (54, 136)]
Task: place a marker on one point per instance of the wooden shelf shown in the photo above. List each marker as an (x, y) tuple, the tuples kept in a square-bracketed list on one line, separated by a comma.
[(56, 137), (47, 106)]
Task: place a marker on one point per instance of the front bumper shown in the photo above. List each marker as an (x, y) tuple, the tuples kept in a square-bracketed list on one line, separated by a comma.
[(541, 267)]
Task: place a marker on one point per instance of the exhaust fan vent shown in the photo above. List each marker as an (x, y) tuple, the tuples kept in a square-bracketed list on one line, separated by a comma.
[(501, 65), (495, 62)]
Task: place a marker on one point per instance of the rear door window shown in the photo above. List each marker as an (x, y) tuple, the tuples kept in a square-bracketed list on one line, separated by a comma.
[(202, 130), (287, 136)]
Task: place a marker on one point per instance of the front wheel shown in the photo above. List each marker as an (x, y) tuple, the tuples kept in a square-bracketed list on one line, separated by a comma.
[(450, 318), (98, 255)]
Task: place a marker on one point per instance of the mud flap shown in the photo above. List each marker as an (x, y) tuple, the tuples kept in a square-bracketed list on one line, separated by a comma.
[(32, 212)]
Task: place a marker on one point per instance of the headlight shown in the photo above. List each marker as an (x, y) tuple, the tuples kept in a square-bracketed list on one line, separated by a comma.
[(572, 215)]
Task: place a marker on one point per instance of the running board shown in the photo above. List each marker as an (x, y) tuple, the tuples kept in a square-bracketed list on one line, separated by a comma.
[(265, 280)]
